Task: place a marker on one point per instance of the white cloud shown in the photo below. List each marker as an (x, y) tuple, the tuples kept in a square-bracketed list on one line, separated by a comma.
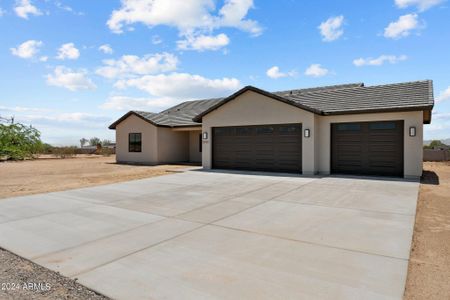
[(106, 49), (402, 27), (275, 73), (118, 102), (181, 85), (2, 12), (24, 8), (69, 79), (233, 13), (316, 70), (444, 95), (27, 49), (422, 5), (129, 65), (203, 42), (66, 117), (189, 17), (441, 116), (20, 109), (331, 29), (68, 51), (392, 59), (43, 58)]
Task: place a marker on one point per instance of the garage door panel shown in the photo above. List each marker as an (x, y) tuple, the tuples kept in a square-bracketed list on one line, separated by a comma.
[(264, 147), (370, 148)]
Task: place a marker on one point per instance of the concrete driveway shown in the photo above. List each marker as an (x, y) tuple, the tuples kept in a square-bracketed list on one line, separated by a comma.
[(205, 235)]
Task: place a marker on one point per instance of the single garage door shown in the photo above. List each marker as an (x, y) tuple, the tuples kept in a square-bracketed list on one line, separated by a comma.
[(276, 148), (367, 148)]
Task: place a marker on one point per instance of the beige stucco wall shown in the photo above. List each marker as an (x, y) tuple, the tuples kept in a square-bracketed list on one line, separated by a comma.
[(173, 146), (413, 152), (195, 155), (134, 124), (252, 108)]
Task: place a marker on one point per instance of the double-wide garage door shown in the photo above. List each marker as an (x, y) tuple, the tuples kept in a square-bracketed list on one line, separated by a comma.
[(367, 148), (276, 148)]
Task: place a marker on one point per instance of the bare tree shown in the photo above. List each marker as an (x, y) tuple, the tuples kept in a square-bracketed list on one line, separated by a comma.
[(9, 120), (94, 141), (106, 143), (83, 142)]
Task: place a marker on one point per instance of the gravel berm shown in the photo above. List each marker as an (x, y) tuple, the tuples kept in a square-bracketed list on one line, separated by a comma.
[(23, 279)]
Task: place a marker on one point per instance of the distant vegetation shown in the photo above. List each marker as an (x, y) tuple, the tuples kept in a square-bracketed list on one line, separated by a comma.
[(435, 144), (94, 141)]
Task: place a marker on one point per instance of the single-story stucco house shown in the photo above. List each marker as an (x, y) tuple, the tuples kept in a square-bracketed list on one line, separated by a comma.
[(340, 129)]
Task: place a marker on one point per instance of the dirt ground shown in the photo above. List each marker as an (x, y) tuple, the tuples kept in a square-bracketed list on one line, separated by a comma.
[(50, 175), (429, 266)]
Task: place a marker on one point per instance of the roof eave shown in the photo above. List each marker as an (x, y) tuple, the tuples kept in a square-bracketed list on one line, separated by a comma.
[(125, 116), (383, 110)]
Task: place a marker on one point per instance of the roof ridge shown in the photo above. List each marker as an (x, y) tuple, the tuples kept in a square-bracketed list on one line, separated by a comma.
[(322, 88), (400, 83), (143, 111)]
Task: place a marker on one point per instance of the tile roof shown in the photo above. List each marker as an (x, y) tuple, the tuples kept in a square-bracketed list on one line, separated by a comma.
[(176, 116), (326, 100), (351, 99)]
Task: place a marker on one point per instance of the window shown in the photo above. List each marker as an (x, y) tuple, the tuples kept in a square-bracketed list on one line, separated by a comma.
[(264, 130), (224, 131), (200, 143), (382, 125), (243, 131), (135, 142), (289, 129), (349, 126)]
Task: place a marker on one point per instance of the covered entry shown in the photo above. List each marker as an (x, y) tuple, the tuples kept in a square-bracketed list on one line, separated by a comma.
[(272, 147), (367, 148)]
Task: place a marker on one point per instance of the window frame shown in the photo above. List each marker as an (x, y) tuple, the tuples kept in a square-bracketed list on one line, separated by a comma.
[(134, 146)]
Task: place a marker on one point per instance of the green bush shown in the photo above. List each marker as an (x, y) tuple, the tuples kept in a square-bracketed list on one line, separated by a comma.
[(18, 141)]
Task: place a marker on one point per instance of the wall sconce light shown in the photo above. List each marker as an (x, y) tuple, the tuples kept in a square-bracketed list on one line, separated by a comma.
[(307, 133), (412, 131), (205, 135)]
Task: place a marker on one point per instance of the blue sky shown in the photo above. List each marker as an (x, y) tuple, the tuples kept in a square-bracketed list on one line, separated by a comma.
[(70, 68)]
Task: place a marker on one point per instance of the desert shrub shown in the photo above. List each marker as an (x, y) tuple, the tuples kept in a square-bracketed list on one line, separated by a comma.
[(64, 152), (106, 151), (18, 141)]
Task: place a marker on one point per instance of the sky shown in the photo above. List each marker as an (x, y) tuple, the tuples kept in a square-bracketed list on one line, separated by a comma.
[(70, 68)]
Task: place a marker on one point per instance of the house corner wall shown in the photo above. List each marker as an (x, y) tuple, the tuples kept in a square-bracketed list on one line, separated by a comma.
[(134, 124)]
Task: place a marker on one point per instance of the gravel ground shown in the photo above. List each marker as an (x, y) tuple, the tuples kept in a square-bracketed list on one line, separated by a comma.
[(23, 279), (429, 266)]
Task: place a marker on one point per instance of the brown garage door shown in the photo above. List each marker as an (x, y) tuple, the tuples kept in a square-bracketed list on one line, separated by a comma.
[(367, 148), (276, 148)]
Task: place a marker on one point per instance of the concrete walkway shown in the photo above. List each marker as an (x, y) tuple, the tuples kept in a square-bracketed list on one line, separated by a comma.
[(213, 235)]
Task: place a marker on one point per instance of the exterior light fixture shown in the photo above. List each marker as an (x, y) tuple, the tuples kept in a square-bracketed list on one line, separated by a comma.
[(205, 135), (412, 131), (307, 133)]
